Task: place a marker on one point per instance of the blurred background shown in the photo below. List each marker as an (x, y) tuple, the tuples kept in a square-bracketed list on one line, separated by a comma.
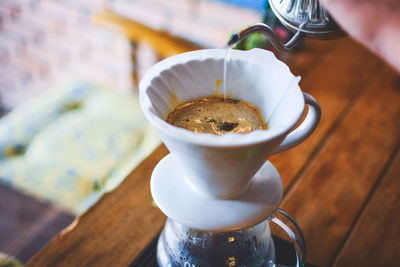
[(71, 127)]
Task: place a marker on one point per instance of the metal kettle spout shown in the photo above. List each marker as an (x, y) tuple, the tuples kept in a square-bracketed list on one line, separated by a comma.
[(269, 33)]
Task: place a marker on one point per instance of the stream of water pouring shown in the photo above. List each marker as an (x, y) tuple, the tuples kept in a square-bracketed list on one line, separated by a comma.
[(226, 61)]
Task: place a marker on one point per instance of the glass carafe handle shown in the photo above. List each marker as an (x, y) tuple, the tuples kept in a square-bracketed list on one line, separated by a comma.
[(294, 233)]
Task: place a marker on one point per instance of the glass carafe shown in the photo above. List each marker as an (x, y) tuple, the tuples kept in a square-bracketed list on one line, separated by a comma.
[(180, 245)]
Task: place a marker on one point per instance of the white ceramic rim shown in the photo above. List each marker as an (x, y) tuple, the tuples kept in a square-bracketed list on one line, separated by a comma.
[(206, 139)]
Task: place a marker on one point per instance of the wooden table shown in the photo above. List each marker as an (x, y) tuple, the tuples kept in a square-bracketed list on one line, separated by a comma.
[(342, 185), (27, 224)]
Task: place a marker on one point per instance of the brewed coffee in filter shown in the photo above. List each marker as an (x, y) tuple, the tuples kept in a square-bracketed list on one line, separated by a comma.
[(217, 115)]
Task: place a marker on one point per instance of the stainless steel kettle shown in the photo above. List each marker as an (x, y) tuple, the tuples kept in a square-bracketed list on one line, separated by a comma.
[(304, 17)]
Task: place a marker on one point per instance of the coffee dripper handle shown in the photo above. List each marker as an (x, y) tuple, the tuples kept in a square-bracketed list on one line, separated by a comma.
[(306, 128), (294, 233)]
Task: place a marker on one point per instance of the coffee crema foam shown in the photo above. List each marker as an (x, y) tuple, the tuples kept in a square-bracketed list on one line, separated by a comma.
[(217, 115)]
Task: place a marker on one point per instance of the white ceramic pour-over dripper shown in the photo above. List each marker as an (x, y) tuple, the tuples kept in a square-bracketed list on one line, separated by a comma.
[(222, 166)]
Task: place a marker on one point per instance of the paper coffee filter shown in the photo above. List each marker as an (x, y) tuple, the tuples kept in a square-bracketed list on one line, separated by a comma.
[(255, 76)]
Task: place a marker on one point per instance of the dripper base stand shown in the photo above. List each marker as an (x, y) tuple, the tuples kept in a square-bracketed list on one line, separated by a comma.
[(181, 203)]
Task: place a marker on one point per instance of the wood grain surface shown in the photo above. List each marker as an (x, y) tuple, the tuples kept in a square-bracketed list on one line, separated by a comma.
[(333, 181), (332, 82), (374, 240), (329, 194)]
